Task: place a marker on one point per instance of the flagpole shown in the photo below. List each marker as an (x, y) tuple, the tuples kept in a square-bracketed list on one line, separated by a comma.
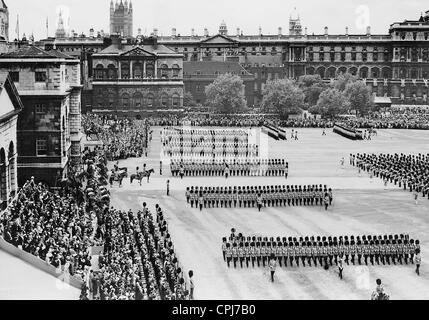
[(47, 28), (17, 26)]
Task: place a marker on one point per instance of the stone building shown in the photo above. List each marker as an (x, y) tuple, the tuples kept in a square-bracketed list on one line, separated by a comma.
[(199, 74), (137, 78), (393, 65), (11, 106), (121, 18), (49, 127), (4, 21)]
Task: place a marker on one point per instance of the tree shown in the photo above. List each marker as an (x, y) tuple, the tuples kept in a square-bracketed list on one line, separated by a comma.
[(343, 80), (226, 94), (282, 96), (188, 100), (359, 96), (331, 103), (312, 86)]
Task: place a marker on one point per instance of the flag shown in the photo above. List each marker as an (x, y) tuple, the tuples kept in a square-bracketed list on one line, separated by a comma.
[(17, 25)]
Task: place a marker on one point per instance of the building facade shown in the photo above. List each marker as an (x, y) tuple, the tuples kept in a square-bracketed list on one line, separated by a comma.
[(199, 74), (11, 106), (393, 65), (4, 21), (121, 18), (137, 78), (49, 127)]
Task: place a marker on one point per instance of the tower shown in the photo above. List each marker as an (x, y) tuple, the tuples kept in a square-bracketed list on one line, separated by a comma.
[(223, 30), (121, 18), (295, 28), (61, 32), (4, 21)]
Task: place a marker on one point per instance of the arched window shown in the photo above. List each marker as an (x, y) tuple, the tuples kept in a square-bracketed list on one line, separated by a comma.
[(137, 100), (3, 190), (11, 167), (150, 100), (99, 72), (176, 100), (310, 70), (363, 73), (164, 100), (375, 72), (138, 70), (342, 70), (387, 73), (125, 71), (176, 70), (321, 72), (150, 70), (414, 73), (125, 101), (353, 71), (111, 71), (111, 100), (164, 71), (331, 72)]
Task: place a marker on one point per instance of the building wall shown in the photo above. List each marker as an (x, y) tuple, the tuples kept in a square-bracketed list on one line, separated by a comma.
[(8, 145)]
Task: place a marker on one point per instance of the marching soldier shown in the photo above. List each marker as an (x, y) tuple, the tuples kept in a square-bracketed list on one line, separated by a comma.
[(228, 253), (241, 256), (234, 254)]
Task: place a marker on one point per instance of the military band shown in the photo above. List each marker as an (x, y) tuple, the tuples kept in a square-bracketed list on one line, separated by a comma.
[(320, 251), (234, 167), (258, 196)]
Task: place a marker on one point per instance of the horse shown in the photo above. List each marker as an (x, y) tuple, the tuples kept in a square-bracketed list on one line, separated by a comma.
[(140, 175), (117, 176), (379, 296)]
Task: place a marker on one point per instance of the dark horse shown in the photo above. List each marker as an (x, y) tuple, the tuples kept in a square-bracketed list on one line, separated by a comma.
[(118, 176), (140, 175)]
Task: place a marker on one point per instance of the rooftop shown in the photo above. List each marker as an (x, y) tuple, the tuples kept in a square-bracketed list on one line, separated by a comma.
[(32, 52)]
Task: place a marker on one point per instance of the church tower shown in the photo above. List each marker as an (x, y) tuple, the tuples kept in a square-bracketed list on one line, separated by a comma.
[(295, 28), (61, 32), (121, 18), (4, 21)]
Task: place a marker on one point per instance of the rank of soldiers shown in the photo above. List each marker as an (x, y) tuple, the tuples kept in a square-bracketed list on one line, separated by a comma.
[(210, 149), (231, 167), (261, 196), (191, 135), (410, 171), (320, 250)]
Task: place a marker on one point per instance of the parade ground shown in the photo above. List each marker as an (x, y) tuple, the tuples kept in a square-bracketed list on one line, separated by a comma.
[(361, 206)]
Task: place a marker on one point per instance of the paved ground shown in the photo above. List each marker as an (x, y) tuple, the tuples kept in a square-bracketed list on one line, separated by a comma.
[(361, 206), (20, 280)]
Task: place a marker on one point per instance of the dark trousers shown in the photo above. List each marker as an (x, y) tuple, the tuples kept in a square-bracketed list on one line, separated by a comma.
[(272, 276)]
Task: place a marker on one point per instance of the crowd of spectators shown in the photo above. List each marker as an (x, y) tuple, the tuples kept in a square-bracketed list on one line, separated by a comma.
[(138, 261), (122, 138)]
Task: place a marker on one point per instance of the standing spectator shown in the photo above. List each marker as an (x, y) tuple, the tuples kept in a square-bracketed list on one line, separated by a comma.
[(191, 280), (168, 187), (160, 168), (418, 260), (272, 264)]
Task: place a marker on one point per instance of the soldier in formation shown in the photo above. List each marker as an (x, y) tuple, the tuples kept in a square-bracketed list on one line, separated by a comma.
[(407, 171), (265, 196), (235, 167), (239, 250)]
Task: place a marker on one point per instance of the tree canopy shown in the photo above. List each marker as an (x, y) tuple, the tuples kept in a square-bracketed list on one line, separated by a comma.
[(343, 80), (312, 86), (282, 96), (226, 94), (359, 96), (331, 103)]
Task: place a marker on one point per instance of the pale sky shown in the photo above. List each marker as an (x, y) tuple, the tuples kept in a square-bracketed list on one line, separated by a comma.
[(248, 15)]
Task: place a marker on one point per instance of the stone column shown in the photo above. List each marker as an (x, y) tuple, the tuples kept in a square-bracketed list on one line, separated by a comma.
[(131, 70), (119, 70), (144, 69), (156, 69)]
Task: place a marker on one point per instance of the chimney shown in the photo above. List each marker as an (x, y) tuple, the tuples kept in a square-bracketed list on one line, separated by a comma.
[(116, 40), (347, 31), (139, 32), (238, 32), (260, 31), (280, 31), (305, 31), (155, 32), (91, 33), (173, 32), (368, 31), (206, 32), (326, 31), (192, 32)]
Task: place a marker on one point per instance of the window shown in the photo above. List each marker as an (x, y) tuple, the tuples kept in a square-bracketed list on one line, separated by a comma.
[(198, 88), (40, 76), (150, 100), (40, 108), (164, 100), (41, 147), (14, 76), (164, 71), (176, 100), (176, 71)]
